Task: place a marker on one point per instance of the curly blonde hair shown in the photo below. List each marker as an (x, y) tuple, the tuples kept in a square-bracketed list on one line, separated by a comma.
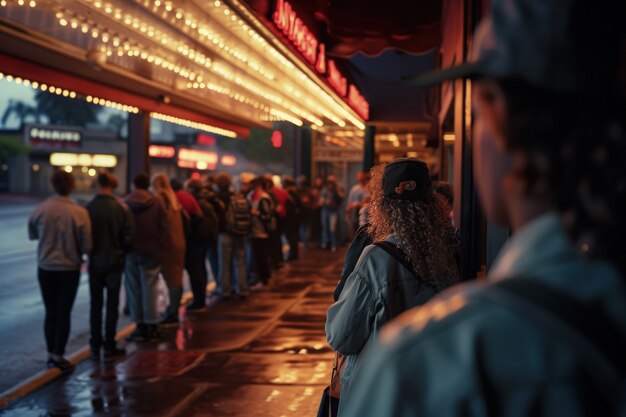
[(421, 228)]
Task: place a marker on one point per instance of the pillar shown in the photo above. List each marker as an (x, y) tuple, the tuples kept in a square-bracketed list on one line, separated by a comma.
[(369, 147), (138, 143)]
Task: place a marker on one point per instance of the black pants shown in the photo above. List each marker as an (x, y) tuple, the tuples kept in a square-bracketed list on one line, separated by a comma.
[(98, 283), (291, 233), (198, 275), (260, 256), (58, 290)]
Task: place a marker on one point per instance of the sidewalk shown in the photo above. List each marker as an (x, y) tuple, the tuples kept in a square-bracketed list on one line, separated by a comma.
[(266, 356)]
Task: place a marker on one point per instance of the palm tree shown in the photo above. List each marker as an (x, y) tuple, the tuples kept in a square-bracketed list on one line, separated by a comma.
[(65, 110), (22, 111)]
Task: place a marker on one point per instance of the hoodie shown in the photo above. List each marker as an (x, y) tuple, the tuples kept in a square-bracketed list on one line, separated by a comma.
[(150, 222)]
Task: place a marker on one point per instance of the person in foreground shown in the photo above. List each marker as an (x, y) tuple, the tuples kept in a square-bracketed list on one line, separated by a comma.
[(406, 266), (549, 142), (63, 229)]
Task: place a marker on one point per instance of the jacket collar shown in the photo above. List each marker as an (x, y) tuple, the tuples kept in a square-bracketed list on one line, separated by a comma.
[(537, 244)]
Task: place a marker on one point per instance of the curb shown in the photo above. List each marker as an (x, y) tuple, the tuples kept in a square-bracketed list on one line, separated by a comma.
[(40, 379)]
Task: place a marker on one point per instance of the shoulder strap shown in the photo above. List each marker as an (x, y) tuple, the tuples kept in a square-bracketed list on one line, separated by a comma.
[(586, 327), (398, 254)]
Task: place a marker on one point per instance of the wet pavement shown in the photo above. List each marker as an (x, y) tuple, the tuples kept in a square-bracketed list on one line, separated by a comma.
[(265, 356)]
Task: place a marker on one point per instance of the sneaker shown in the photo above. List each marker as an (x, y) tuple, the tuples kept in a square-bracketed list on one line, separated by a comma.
[(195, 307), (257, 286), (95, 354), (113, 352), (62, 365)]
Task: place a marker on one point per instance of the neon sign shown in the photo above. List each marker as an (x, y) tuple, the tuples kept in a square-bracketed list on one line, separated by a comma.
[(196, 159), (159, 151), (287, 20), (229, 160)]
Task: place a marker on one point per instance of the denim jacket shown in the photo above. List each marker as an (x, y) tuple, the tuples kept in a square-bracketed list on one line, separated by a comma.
[(378, 289), (464, 355)]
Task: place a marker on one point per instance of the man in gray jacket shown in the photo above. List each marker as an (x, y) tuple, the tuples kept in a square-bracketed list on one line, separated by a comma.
[(113, 234), (545, 335), (63, 229)]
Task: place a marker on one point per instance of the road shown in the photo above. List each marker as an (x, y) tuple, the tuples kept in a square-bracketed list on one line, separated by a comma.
[(22, 345)]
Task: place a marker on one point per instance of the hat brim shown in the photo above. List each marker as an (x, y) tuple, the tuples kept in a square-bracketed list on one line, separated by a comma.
[(466, 70)]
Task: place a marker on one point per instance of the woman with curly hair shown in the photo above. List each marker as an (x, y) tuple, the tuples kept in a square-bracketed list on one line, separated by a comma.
[(407, 265)]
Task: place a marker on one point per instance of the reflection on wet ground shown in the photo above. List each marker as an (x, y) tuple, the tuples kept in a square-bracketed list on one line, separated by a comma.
[(266, 356)]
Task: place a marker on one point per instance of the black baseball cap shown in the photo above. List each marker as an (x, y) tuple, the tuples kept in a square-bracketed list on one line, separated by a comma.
[(406, 179), (566, 45)]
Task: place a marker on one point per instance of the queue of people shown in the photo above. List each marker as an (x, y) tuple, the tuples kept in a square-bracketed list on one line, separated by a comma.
[(162, 228)]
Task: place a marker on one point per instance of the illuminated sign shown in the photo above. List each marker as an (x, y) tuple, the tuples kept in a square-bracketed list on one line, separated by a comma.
[(206, 140), (336, 79), (358, 102), (286, 19), (196, 159), (83, 159), (159, 151), (229, 160), (54, 136), (277, 138)]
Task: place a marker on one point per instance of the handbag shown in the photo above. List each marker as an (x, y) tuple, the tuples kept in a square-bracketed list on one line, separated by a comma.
[(329, 404)]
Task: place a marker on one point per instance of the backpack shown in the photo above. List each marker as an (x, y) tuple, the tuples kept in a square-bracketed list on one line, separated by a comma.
[(238, 217)]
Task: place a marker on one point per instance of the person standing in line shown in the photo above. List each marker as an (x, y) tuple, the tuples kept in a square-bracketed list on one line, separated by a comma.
[(235, 224), (173, 256), (307, 207), (143, 262), (113, 232), (262, 207), (545, 333), (63, 229), (292, 217), (275, 234), (203, 234), (218, 207), (411, 220), (356, 200), (316, 211), (331, 198)]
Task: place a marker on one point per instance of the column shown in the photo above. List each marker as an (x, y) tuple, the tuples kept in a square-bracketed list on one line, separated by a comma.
[(138, 143)]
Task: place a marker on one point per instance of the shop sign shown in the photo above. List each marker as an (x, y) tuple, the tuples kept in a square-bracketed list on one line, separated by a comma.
[(197, 159), (229, 160), (286, 19), (83, 160), (161, 151), (54, 137)]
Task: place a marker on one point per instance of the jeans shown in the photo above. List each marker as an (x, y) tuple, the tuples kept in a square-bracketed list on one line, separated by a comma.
[(98, 283), (232, 251), (329, 227), (142, 279), (58, 290), (198, 275)]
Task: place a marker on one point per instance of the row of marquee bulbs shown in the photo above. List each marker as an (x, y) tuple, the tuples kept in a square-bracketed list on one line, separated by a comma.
[(118, 106), (203, 33)]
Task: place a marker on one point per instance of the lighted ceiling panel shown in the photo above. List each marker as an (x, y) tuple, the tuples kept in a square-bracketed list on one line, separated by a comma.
[(206, 50)]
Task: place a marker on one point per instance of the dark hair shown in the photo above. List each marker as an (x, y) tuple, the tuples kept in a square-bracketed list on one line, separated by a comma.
[(193, 185), (62, 182), (574, 146), (222, 181), (444, 189), (176, 184), (142, 181), (106, 179)]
